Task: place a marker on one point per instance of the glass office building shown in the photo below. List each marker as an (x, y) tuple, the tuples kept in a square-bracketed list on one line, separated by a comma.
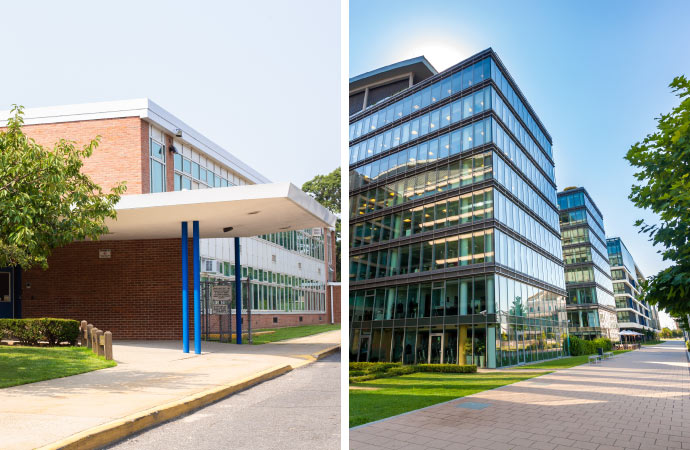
[(590, 303), (455, 250), (634, 313)]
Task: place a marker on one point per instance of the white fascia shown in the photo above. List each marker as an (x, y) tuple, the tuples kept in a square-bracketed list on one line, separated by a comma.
[(145, 109)]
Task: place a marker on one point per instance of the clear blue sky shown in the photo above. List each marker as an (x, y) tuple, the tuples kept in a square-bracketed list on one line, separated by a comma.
[(261, 79), (596, 73)]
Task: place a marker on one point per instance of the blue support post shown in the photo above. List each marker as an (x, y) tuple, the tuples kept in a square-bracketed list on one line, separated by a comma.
[(185, 290), (238, 291), (197, 282)]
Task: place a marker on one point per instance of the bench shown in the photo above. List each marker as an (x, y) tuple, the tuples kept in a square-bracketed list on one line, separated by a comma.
[(608, 355), (595, 359)]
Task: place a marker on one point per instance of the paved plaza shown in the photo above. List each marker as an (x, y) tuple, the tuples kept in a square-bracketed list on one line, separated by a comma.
[(638, 400), (148, 374)]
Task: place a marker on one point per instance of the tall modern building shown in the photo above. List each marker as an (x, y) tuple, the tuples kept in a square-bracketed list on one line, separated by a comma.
[(455, 247), (590, 303), (634, 313)]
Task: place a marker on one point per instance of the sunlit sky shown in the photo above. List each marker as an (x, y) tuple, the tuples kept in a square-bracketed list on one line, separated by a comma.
[(261, 79), (596, 73)]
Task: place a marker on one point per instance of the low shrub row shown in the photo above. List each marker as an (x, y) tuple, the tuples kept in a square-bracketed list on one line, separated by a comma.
[(584, 347), (371, 371), (33, 331)]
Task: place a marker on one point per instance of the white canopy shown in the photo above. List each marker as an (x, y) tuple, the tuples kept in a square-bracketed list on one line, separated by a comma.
[(630, 333), (236, 211)]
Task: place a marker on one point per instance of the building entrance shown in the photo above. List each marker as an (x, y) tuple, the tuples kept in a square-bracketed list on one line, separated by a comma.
[(6, 294), (435, 348)]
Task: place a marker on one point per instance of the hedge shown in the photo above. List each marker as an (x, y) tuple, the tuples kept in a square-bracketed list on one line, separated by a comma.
[(361, 371), (33, 331), (584, 347), (446, 368)]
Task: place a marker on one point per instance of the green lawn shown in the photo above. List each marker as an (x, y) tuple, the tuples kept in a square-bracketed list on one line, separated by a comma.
[(563, 363), (21, 365), (653, 342), (418, 390), (281, 334)]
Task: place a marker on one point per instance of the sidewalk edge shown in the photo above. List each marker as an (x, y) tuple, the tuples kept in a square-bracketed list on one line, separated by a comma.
[(327, 352), (121, 428)]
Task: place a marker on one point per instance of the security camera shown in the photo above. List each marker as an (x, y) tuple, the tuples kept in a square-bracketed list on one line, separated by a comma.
[(178, 132), (173, 150)]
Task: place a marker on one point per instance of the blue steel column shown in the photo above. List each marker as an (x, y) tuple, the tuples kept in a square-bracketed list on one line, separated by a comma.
[(238, 291), (185, 290), (197, 276)]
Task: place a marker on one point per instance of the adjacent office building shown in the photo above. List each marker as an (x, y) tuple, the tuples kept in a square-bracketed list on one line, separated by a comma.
[(131, 287), (590, 303), (634, 313), (455, 250)]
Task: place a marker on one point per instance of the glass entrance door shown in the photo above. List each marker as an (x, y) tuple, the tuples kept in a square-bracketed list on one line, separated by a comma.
[(363, 349), (6, 294), (435, 349)]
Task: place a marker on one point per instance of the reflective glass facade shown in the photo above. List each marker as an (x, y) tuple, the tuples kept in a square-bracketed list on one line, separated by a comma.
[(455, 251), (634, 312), (591, 305)]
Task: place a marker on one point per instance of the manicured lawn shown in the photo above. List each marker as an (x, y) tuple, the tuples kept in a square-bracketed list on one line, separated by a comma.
[(21, 365), (563, 363), (409, 392), (281, 334), (653, 342)]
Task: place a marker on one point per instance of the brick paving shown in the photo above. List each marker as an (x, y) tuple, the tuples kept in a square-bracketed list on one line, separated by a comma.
[(638, 400)]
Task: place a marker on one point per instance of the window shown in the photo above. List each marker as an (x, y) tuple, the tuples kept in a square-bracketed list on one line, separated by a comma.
[(157, 161)]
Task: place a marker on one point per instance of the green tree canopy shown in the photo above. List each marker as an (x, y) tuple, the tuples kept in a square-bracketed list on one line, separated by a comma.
[(45, 199), (663, 163), (326, 190)]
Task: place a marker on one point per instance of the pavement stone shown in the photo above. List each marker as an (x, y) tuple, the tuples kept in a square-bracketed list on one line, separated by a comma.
[(148, 374), (637, 400)]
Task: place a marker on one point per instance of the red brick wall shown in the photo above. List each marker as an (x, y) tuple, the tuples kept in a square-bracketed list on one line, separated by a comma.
[(122, 154), (136, 293)]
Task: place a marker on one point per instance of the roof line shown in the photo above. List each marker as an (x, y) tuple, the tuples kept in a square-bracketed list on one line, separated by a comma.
[(145, 109), (407, 62)]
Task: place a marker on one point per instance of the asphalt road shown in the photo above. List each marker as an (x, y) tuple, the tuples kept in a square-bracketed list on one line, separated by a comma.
[(299, 410)]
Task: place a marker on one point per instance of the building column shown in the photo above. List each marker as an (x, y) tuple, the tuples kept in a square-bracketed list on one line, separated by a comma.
[(185, 289), (238, 291), (197, 282)]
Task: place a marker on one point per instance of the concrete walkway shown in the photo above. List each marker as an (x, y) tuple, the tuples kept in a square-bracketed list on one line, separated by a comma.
[(148, 374), (638, 400)]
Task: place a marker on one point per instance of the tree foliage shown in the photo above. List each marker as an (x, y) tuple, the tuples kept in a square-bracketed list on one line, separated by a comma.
[(45, 199), (663, 163), (326, 189)]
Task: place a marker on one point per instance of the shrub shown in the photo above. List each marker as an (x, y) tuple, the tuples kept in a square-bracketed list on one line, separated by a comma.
[(402, 370), (446, 368), (687, 344), (33, 331), (604, 343), (368, 365)]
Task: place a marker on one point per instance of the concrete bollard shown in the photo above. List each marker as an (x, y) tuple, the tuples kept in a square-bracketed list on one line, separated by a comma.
[(100, 343), (94, 340), (89, 328), (108, 345), (82, 333)]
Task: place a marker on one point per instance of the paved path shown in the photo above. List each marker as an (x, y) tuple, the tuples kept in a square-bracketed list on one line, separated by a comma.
[(638, 400), (298, 410), (148, 374)]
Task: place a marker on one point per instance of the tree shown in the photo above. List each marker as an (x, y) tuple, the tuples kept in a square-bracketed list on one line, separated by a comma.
[(326, 190), (45, 200), (663, 163), (666, 333)]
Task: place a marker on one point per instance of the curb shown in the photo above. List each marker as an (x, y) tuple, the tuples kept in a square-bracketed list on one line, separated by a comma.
[(121, 428), (328, 352)]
